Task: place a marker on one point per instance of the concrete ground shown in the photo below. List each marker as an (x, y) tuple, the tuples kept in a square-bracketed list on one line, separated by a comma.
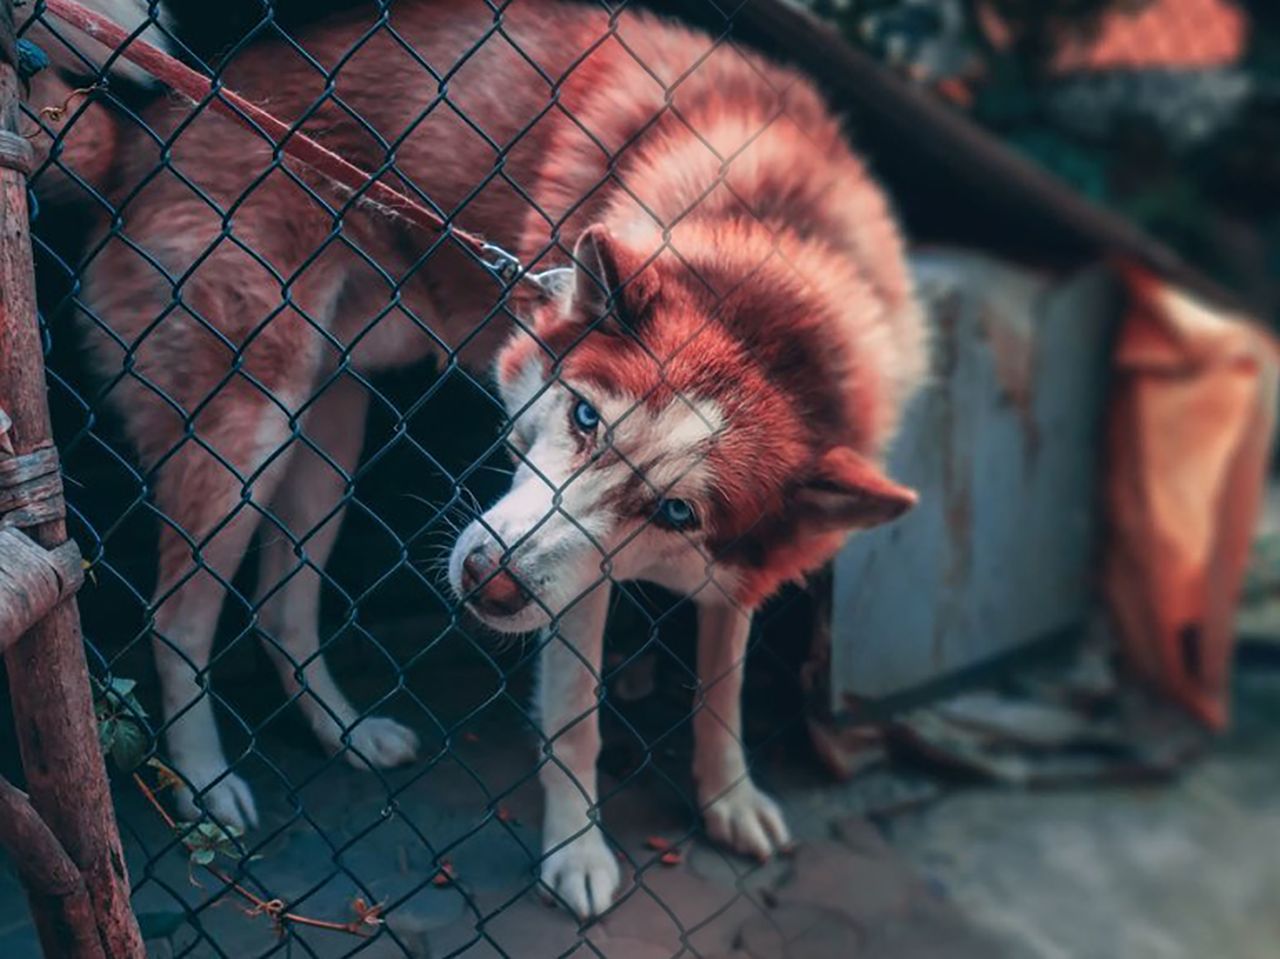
[(1178, 871)]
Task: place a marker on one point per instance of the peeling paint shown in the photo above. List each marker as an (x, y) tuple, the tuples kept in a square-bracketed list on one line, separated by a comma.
[(1003, 448), (1010, 338)]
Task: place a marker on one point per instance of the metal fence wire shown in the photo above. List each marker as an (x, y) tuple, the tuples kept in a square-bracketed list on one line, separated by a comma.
[(189, 269), (349, 551)]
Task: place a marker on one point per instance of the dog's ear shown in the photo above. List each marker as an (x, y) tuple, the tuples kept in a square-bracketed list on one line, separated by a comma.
[(601, 267), (845, 490), (597, 272), (555, 283), (591, 278)]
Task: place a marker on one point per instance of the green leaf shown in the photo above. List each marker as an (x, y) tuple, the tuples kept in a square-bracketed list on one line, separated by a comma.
[(212, 831), (134, 709), (193, 836), (160, 925), (129, 746), (122, 687), (115, 698), (106, 734), (207, 836), (202, 857)]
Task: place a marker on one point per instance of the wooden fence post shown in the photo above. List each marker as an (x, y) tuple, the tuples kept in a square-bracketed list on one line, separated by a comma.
[(48, 675)]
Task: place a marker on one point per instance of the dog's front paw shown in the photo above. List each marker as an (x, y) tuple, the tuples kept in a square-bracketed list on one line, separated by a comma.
[(379, 742), (582, 875), (228, 802), (747, 821)]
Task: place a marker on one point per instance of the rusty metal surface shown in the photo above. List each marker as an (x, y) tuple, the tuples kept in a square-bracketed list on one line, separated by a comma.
[(1003, 448)]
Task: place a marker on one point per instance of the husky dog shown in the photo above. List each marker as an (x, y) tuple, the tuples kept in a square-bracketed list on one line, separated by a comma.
[(703, 402)]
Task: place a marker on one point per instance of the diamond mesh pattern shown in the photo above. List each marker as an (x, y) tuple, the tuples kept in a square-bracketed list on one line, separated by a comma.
[(390, 621)]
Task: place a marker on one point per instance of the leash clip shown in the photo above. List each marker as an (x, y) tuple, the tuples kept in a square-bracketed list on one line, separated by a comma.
[(501, 264), (509, 271)]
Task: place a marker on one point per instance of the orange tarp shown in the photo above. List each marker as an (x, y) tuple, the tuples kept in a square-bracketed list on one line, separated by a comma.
[(1190, 432)]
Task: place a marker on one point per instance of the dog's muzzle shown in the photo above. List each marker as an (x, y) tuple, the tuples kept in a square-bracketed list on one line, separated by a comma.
[(490, 587)]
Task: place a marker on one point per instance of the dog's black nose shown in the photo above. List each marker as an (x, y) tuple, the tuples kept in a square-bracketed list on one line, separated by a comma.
[(490, 587)]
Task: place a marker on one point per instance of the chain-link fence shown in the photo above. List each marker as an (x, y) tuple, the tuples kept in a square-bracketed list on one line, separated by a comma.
[(248, 352), (394, 348)]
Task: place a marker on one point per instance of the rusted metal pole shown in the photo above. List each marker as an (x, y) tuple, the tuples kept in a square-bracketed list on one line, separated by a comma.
[(48, 675)]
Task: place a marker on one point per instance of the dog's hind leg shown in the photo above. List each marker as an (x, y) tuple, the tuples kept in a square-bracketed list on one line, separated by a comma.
[(210, 494), (219, 447), (213, 323), (308, 508)]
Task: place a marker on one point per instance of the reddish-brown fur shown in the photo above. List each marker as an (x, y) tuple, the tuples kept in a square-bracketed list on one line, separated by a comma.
[(762, 266), (759, 283)]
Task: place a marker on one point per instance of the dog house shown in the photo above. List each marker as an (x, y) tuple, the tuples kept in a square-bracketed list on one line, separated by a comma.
[(1004, 447)]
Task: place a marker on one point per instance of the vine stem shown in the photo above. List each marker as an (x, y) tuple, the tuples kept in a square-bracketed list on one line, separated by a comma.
[(270, 907)]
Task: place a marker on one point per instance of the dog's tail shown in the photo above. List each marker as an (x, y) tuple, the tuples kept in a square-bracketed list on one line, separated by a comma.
[(82, 136)]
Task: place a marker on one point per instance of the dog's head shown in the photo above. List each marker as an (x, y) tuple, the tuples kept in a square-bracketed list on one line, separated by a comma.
[(694, 413)]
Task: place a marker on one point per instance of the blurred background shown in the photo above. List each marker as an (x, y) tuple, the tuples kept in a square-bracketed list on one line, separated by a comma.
[(1165, 111)]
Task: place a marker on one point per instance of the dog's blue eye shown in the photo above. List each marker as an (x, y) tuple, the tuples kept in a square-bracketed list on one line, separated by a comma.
[(585, 415), (677, 514)]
